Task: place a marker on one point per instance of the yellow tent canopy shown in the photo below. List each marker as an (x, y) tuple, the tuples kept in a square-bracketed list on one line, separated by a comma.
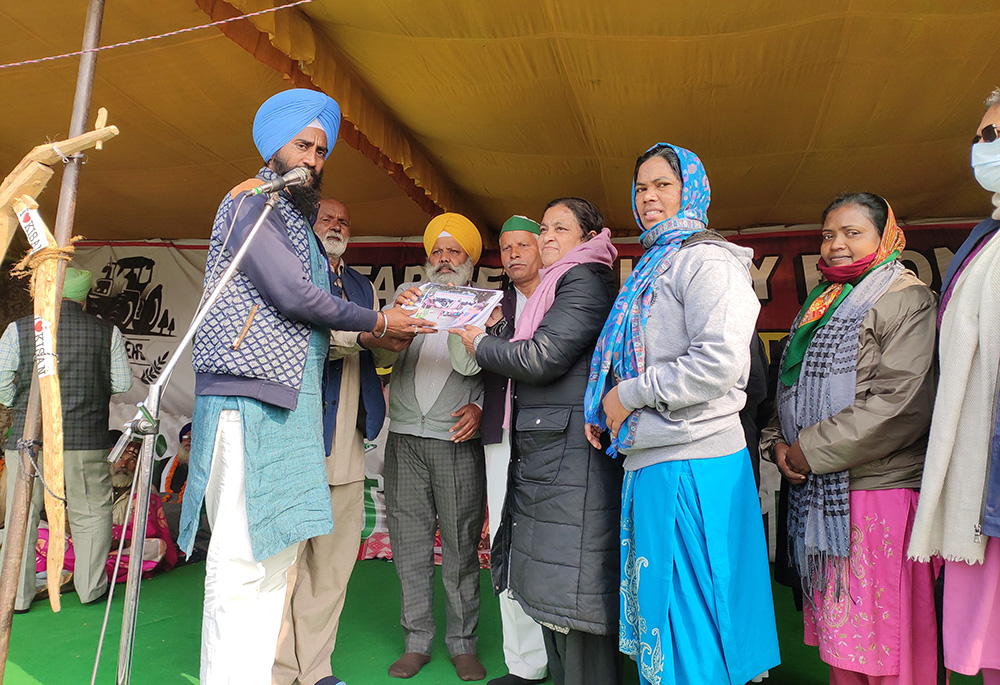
[(495, 108)]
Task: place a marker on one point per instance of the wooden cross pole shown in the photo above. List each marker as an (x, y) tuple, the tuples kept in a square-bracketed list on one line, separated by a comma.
[(18, 515), (43, 264), (33, 172), (46, 264)]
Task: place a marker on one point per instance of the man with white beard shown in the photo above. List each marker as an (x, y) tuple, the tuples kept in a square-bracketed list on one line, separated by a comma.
[(353, 409), (435, 471), (333, 228)]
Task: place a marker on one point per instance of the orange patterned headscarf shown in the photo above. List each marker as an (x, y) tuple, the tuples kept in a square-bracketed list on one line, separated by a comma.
[(828, 295), (893, 241)]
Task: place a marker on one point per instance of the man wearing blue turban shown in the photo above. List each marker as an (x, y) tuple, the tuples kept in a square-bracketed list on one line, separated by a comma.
[(257, 453)]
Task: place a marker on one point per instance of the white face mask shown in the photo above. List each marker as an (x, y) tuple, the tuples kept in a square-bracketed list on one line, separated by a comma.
[(986, 164)]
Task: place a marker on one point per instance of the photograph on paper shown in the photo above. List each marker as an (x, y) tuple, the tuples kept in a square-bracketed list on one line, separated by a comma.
[(452, 306)]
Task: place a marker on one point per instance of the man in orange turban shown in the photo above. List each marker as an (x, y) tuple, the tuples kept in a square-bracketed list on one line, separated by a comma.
[(435, 472)]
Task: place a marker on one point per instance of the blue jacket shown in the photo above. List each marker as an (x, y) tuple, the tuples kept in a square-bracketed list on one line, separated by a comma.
[(255, 339), (991, 508), (371, 408)]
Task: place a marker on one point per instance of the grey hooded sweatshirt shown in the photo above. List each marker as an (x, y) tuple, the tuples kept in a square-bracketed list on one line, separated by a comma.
[(697, 338)]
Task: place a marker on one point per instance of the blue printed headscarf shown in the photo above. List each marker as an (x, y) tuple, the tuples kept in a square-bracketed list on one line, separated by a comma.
[(283, 115), (621, 348)]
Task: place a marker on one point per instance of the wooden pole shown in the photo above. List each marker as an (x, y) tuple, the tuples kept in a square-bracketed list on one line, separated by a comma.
[(18, 515)]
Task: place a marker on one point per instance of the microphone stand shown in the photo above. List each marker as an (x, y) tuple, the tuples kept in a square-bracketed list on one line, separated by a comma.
[(146, 423)]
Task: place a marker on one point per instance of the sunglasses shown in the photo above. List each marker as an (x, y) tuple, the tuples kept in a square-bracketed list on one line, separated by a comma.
[(988, 134)]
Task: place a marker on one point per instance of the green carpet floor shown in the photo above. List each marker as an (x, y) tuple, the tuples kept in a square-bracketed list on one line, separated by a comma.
[(58, 649)]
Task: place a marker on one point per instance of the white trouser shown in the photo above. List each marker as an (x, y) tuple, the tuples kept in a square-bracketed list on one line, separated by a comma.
[(244, 598), (523, 648)]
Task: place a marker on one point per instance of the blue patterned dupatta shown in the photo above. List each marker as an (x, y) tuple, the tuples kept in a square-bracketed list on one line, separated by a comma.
[(620, 353)]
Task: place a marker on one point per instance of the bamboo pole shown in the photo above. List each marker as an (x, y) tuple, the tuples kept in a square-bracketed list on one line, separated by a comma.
[(43, 265), (14, 541)]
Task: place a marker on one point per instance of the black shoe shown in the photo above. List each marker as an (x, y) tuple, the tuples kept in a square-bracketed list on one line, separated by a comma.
[(330, 680), (511, 679)]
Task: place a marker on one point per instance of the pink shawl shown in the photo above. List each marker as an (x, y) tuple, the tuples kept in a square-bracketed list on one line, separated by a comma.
[(597, 250)]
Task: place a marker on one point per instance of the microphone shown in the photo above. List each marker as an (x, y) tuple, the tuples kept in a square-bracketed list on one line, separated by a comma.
[(298, 176)]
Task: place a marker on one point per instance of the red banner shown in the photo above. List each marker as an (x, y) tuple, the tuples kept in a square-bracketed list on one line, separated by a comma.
[(784, 265)]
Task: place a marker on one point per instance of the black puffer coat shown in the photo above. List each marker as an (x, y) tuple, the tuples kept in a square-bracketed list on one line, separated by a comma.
[(557, 548)]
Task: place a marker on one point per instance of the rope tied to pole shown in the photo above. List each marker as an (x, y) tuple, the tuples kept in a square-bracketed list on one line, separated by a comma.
[(29, 265), (96, 49), (63, 157), (29, 448)]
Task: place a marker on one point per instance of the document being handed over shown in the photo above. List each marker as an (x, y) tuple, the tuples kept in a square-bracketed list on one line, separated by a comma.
[(452, 306)]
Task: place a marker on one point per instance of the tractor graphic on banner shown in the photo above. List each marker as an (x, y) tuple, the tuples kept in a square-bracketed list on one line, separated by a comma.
[(126, 296)]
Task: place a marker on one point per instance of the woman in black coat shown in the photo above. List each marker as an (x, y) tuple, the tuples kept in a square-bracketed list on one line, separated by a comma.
[(557, 549)]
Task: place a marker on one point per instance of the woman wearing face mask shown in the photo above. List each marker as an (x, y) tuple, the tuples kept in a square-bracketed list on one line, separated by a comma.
[(667, 380), (557, 548), (854, 404), (959, 513)]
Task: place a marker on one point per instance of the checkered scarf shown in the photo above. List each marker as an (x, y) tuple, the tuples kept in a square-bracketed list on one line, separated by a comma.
[(819, 510)]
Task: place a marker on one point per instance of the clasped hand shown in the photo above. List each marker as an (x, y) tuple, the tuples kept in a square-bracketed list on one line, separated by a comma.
[(469, 418), (617, 415), (792, 462)]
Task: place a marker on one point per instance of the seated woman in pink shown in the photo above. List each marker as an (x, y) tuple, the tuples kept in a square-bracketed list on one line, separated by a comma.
[(158, 552)]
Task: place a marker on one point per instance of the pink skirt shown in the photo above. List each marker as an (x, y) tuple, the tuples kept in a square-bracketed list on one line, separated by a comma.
[(971, 623), (883, 629)]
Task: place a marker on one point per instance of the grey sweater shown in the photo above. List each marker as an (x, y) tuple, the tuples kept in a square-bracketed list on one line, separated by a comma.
[(698, 335), (405, 415)]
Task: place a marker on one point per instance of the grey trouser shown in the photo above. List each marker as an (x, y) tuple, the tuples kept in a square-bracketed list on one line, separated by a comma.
[(432, 483), (88, 506)]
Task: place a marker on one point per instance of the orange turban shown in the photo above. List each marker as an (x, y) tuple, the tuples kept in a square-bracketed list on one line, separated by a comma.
[(459, 228)]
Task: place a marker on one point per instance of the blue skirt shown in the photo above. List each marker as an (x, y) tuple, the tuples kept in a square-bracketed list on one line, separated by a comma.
[(696, 601)]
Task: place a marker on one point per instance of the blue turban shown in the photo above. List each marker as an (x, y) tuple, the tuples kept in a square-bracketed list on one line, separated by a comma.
[(283, 115)]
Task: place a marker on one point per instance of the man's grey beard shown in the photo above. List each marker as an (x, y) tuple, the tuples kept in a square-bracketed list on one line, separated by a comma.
[(461, 276), (305, 198), (334, 247), (122, 479)]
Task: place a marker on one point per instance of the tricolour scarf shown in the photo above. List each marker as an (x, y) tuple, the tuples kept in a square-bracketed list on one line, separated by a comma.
[(825, 383), (621, 353), (597, 250), (824, 299)]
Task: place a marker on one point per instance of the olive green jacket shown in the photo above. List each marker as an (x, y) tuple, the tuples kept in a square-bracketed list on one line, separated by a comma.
[(882, 437)]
